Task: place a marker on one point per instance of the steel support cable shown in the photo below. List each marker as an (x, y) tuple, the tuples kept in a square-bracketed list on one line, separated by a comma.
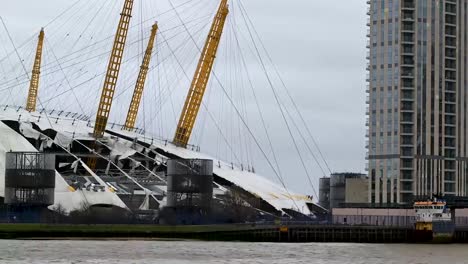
[(72, 48), (156, 95), (297, 128), (150, 70), (49, 66), (9, 98), (63, 12), (75, 16), (243, 121), (239, 75), (262, 118), (67, 81), (21, 61), (287, 90), (70, 54), (14, 68), (181, 47), (92, 78), (69, 8), (204, 106), (118, 168), (71, 65), (141, 164), (170, 93), (281, 109), (135, 57), (10, 53), (172, 54)]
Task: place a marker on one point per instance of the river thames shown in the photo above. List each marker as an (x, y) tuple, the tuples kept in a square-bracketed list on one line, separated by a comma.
[(181, 252)]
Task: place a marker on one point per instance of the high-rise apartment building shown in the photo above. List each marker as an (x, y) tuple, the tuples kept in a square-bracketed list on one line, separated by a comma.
[(417, 99)]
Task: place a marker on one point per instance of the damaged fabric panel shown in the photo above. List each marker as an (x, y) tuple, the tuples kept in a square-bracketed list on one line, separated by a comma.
[(63, 140), (28, 131), (120, 150)]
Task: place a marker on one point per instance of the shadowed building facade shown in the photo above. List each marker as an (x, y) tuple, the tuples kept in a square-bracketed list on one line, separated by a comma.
[(417, 100)]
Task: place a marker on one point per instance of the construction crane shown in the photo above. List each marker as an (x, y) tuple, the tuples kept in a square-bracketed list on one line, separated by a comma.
[(201, 78), (36, 72), (140, 84), (112, 75), (113, 70)]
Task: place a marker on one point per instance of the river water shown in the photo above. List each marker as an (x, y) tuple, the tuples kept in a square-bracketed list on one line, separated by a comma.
[(175, 252)]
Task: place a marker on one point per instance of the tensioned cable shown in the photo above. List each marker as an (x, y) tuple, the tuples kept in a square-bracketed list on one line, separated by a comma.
[(204, 106), (22, 64), (66, 79), (281, 110), (242, 119), (262, 118), (286, 89)]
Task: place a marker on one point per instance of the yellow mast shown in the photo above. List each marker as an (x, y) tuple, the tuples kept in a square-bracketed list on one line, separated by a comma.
[(36, 72), (113, 70), (201, 78), (140, 84), (112, 75)]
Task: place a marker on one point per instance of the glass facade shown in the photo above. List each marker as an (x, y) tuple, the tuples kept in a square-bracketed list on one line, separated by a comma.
[(416, 124)]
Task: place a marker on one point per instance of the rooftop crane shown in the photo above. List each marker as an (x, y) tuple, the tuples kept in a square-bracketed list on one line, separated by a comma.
[(140, 84), (113, 70), (36, 72), (201, 78)]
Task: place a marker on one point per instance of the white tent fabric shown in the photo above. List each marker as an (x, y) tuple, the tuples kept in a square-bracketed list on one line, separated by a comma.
[(271, 192)]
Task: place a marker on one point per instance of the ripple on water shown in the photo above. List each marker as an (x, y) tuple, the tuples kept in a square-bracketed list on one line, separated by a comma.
[(183, 252)]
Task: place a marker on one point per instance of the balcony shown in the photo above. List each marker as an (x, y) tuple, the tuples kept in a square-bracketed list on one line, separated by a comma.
[(450, 8), (407, 38), (450, 20), (408, 27), (408, 5), (407, 74), (407, 50), (407, 16)]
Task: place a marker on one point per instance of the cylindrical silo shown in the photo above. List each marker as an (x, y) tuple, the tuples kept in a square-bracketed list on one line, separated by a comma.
[(324, 192), (189, 183), (337, 190)]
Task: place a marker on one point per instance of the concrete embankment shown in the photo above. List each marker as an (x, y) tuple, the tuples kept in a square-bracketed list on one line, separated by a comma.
[(250, 233)]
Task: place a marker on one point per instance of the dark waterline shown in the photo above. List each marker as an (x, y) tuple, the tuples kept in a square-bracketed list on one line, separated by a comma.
[(182, 252)]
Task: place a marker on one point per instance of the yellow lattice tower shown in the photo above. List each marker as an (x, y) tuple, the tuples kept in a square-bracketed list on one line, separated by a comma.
[(113, 70), (201, 78), (112, 75), (140, 84), (36, 73)]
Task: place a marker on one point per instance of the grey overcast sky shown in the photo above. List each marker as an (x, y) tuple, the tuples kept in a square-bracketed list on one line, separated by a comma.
[(317, 45)]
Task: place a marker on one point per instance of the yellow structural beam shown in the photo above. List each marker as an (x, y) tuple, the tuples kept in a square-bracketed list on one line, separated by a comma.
[(140, 84), (113, 70), (36, 72), (201, 78), (112, 74)]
